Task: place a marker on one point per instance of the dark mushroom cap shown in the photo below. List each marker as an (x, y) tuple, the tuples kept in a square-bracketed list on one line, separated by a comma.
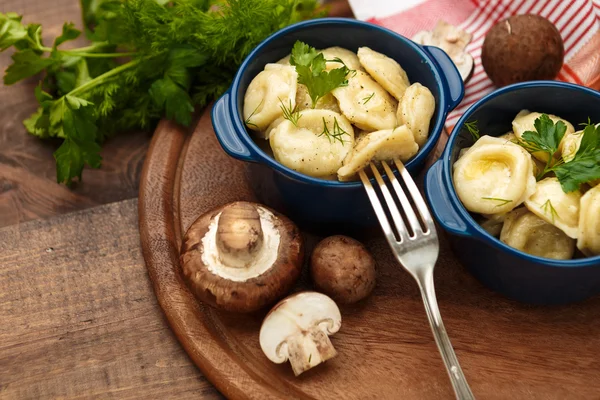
[(522, 48), (254, 293)]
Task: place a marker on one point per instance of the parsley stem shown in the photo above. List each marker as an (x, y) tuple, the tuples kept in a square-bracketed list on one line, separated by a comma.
[(98, 55), (100, 78)]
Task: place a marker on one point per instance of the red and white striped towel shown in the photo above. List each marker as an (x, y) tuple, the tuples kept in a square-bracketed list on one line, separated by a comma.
[(577, 20)]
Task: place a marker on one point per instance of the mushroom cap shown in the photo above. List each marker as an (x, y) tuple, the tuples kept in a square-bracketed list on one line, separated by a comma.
[(247, 295), (295, 314)]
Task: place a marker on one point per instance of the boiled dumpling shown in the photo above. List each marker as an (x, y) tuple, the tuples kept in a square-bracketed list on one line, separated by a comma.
[(589, 223), (303, 100), (348, 57), (386, 71), (494, 176), (285, 60), (317, 146), (379, 146), (524, 121), (265, 94), (510, 137), (492, 224), (556, 207), (570, 145), (267, 132), (366, 104), (527, 232), (415, 111)]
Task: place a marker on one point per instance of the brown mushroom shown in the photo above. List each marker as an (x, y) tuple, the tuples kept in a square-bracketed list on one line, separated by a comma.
[(343, 268), (241, 257), (522, 48)]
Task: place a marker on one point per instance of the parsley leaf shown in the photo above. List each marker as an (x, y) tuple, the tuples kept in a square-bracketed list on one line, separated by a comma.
[(11, 30), (26, 63), (546, 137), (585, 166), (174, 99), (310, 66), (68, 33)]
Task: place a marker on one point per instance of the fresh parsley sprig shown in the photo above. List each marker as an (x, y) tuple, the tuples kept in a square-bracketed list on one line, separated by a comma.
[(147, 59), (585, 165), (310, 66)]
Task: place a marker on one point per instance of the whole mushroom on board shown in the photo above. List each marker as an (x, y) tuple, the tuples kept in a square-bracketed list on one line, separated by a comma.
[(453, 41), (298, 328), (241, 256), (522, 48), (343, 268)]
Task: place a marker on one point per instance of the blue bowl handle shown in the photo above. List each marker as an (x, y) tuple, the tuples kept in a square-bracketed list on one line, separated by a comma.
[(225, 131), (440, 204), (455, 88)]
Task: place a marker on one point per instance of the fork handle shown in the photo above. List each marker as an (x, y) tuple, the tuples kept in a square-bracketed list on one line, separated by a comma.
[(459, 383)]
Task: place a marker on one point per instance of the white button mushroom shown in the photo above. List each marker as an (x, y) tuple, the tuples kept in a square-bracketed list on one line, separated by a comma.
[(241, 256), (298, 328)]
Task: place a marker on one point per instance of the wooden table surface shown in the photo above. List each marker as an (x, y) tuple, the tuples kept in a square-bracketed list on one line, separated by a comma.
[(78, 317)]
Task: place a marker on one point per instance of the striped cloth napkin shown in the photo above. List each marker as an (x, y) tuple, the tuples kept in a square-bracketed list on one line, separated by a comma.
[(577, 20)]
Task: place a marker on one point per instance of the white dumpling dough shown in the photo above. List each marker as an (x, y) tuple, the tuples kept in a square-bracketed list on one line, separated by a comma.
[(327, 102), (553, 205), (266, 92), (525, 120), (348, 57), (494, 176), (589, 223), (525, 231), (366, 104), (415, 111), (378, 146), (306, 149), (492, 224), (386, 71)]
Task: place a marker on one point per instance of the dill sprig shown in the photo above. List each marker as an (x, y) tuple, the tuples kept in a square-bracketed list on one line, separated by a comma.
[(247, 122), (549, 209), (290, 113), (500, 201), (368, 98), (473, 129), (337, 134)]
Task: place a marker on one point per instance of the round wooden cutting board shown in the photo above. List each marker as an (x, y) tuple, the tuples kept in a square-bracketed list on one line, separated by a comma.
[(385, 346)]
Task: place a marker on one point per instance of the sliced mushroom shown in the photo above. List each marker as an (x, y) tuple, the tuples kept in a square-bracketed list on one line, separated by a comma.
[(298, 328), (241, 256), (453, 41)]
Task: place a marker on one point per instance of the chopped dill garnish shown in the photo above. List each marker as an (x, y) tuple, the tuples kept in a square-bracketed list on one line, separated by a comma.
[(289, 113), (500, 201), (366, 99), (549, 209), (309, 357), (473, 129), (247, 122), (337, 133)]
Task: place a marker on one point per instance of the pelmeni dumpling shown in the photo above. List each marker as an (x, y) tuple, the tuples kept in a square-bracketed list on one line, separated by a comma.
[(285, 60), (589, 223), (266, 92), (378, 146), (415, 111), (492, 224), (527, 232), (510, 137), (307, 148), (303, 100), (524, 121), (556, 207), (366, 104), (348, 57), (569, 145), (386, 71), (267, 132), (494, 176)]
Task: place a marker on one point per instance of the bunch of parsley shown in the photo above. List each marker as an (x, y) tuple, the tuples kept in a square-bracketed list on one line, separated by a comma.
[(147, 59)]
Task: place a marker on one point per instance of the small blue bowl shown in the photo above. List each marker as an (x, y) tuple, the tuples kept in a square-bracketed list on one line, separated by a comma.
[(307, 200), (504, 269)]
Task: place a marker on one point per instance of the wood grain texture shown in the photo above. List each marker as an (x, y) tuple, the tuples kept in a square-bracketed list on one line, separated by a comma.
[(28, 188), (386, 349), (79, 317)]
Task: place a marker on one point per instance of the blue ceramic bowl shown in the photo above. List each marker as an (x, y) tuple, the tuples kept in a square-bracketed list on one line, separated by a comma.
[(301, 197), (511, 272)]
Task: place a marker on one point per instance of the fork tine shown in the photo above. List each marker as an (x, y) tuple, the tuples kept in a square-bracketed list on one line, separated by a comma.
[(416, 196), (377, 207), (391, 203), (406, 206)]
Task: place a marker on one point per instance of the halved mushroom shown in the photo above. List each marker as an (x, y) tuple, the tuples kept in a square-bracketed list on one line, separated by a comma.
[(241, 256), (298, 328)]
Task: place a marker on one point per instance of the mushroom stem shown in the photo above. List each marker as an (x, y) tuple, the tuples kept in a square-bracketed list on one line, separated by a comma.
[(239, 235), (309, 348)]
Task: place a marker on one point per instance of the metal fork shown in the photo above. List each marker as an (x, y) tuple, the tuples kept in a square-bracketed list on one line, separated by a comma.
[(416, 247)]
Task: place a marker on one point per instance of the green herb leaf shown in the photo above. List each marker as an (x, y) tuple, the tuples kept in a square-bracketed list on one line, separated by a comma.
[(546, 137), (26, 63), (310, 66), (173, 99), (585, 166), (68, 33), (473, 129), (498, 200), (549, 210), (337, 133), (368, 98), (11, 30), (290, 113)]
